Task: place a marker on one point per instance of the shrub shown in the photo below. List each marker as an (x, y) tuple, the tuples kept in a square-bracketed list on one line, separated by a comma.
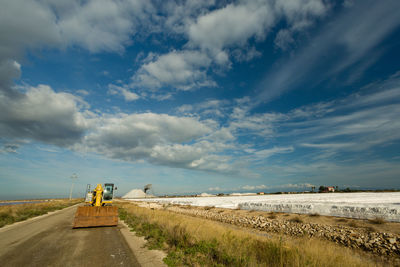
[(353, 224), (377, 220), (296, 219)]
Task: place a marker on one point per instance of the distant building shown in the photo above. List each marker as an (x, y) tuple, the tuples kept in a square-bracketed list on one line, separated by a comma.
[(260, 193), (326, 189)]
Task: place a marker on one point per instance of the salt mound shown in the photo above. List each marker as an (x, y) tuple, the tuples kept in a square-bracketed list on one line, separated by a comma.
[(243, 194), (205, 195), (135, 193)]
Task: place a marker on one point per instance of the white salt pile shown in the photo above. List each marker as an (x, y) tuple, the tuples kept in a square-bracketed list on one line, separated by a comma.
[(136, 193), (205, 195)]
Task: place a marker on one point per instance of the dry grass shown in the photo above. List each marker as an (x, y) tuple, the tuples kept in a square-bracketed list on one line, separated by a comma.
[(377, 220), (353, 224), (371, 229), (192, 241), (314, 215), (15, 213), (296, 219)]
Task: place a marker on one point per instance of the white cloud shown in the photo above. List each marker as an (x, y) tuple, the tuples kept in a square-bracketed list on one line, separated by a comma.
[(303, 185), (360, 122), (43, 115), (82, 92), (95, 25), (100, 25), (126, 93), (283, 39), (159, 138), (185, 70), (299, 15), (328, 145), (254, 187), (180, 14), (214, 188), (232, 25), (265, 153), (9, 70), (215, 36)]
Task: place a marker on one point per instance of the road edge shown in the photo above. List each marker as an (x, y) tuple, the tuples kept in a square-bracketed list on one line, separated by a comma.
[(10, 226), (145, 256)]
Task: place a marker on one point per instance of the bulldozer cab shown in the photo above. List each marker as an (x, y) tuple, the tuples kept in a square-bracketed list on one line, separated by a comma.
[(108, 193)]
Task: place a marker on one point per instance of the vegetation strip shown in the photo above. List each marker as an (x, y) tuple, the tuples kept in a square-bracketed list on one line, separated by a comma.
[(379, 243), (16, 213), (193, 241)]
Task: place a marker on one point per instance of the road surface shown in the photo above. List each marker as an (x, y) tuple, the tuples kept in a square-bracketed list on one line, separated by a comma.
[(51, 241)]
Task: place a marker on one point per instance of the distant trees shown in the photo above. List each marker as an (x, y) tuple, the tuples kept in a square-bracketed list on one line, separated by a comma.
[(322, 189)]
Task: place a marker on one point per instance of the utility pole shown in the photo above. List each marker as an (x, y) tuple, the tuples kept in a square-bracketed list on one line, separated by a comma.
[(73, 176)]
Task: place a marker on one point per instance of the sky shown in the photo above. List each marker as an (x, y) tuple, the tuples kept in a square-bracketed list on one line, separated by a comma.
[(198, 96)]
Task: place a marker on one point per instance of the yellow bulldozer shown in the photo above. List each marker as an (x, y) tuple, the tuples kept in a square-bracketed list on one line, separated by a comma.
[(97, 210)]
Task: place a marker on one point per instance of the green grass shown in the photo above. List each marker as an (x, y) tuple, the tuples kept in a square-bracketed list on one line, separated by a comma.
[(15, 213)]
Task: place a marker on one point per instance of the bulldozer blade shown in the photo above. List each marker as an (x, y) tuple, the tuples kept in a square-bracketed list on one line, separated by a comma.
[(87, 216)]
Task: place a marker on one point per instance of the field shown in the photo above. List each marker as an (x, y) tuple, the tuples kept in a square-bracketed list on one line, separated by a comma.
[(352, 205), (15, 213), (194, 241)]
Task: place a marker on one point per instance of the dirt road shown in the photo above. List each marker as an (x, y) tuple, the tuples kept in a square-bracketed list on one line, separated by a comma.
[(51, 241)]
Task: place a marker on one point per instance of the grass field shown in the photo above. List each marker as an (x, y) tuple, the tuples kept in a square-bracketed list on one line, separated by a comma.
[(191, 241), (15, 213)]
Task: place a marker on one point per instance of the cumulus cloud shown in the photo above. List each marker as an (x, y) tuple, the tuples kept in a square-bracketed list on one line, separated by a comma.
[(93, 25), (178, 14), (9, 70), (159, 138), (42, 115), (213, 37), (184, 70), (216, 36), (101, 25), (232, 25)]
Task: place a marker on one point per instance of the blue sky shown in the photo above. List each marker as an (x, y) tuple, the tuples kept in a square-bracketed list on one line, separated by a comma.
[(198, 96)]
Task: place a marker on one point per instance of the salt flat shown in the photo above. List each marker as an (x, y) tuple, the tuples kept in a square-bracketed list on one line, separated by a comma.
[(352, 205)]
